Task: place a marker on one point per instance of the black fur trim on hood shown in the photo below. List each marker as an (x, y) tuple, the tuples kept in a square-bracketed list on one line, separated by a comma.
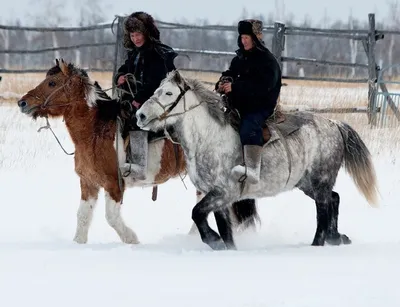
[(140, 22)]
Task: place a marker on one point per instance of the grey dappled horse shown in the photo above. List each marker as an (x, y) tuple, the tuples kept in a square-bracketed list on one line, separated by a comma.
[(305, 151)]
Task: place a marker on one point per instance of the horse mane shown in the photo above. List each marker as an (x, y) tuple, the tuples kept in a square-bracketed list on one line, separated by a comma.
[(213, 101), (107, 108)]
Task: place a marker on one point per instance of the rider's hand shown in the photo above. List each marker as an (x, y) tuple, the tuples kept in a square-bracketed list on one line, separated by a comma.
[(227, 87), (136, 104), (121, 80), (220, 88)]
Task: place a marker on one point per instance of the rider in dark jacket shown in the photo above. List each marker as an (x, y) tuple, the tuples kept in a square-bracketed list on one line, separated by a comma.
[(149, 61), (254, 89)]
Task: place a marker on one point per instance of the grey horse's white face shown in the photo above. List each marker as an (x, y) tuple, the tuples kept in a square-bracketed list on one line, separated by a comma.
[(167, 103)]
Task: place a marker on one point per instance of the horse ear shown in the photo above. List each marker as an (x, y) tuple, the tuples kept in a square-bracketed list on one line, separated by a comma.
[(57, 63), (178, 79), (64, 67)]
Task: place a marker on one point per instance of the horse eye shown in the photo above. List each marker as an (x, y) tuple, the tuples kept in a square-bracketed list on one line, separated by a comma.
[(168, 93), (52, 83)]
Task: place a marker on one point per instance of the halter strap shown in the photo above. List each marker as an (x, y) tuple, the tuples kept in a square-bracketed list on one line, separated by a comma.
[(175, 103)]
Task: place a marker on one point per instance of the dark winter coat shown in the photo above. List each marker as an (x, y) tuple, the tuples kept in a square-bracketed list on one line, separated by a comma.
[(150, 65), (256, 78)]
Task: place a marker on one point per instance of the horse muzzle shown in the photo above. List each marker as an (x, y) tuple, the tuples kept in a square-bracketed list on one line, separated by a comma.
[(24, 107), (141, 119)]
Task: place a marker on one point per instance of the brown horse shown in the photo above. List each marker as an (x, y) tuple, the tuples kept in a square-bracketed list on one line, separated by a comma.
[(91, 118)]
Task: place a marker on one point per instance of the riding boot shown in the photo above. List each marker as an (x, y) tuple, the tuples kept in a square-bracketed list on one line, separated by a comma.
[(250, 171), (139, 154)]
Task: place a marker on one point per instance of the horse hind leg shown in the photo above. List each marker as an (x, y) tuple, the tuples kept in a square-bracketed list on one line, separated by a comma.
[(89, 195), (333, 236), (327, 205), (114, 219), (244, 214)]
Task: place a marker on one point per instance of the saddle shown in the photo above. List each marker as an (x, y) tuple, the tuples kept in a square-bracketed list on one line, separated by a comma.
[(279, 125)]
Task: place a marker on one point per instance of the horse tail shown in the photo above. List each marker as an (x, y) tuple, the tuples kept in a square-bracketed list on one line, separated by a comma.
[(246, 214), (358, 163)]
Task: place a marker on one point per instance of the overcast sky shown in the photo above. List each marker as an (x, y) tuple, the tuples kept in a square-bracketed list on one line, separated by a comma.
[(216, 11)]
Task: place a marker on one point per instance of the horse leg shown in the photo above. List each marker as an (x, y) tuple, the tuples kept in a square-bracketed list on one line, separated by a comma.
[(113, 216), (333, 236), (244, 214), (323, 219), (327, 203), (212, 201), (193, 230), (319, 192), (89, 195), (223, 220)]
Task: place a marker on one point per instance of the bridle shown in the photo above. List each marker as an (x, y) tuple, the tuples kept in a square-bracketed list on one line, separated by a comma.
[(172, 106), (46, 104), (169, 107)]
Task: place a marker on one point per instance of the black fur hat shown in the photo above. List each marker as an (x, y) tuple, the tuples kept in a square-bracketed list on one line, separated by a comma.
[(140, 22), (252, 27)]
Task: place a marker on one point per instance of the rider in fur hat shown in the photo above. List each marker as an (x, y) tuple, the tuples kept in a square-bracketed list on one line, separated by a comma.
[(253, 89), (149, 61)]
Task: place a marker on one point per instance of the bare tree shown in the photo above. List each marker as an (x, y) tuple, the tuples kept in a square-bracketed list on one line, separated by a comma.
[(353, 45), (4, 34), (394, 10)]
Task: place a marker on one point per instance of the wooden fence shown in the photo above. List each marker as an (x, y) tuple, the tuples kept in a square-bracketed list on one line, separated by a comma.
[(279, 32)]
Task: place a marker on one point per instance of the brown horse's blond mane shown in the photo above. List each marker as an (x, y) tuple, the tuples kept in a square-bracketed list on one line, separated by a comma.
[(94, 94), (74, 70)]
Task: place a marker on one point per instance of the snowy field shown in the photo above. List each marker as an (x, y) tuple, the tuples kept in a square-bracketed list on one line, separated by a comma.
[(40, 265)]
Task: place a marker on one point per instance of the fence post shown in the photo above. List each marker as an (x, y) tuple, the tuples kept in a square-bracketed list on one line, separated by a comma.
[(372, 70), (120, 51), (278, 41)]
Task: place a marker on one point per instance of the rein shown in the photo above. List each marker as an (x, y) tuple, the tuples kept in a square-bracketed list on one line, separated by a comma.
[(134, 81), (46, 104), (58, 141)]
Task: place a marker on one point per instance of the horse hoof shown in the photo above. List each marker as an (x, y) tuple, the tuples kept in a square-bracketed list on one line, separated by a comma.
[(231, 247), (318, 242), (345, 239), (217, 245), (80, 240), (130, 238), (338, 240)]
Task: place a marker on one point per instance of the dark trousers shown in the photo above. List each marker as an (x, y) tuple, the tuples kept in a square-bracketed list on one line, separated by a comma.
[(251, 127)]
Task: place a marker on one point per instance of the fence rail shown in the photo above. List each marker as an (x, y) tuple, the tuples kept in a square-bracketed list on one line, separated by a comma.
[(70, 47), (57, 29)]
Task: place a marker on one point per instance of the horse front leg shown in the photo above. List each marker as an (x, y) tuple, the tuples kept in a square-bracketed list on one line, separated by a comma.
[(224, 224), (113, 198), (213, 202), (89, 195), (193, 230)]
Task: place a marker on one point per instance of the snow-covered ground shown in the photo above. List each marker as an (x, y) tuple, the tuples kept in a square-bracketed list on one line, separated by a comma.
[(40, 265)]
